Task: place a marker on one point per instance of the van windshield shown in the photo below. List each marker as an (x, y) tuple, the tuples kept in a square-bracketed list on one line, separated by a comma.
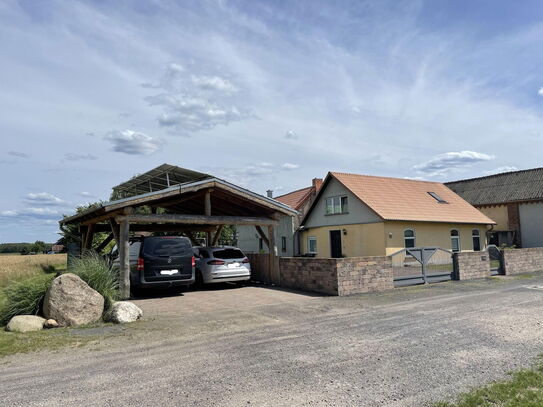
[(226, 254), (163, 246)]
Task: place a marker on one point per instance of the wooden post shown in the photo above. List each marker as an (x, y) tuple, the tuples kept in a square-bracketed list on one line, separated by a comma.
[(274, 264), (104, 243), (89, 236), (124, 259), (207, 208), (217, 235), (115, 230)]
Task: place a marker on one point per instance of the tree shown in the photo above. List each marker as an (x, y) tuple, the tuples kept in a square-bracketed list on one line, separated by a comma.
[(38, 246)]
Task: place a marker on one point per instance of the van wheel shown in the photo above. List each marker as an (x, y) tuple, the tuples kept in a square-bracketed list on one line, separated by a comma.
[(199, 279)]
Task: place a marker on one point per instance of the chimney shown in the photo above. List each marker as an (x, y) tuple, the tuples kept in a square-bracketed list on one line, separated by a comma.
[(317, 184), (269, 192)]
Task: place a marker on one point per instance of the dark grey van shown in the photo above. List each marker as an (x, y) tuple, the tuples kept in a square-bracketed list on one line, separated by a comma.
[(160, 262)]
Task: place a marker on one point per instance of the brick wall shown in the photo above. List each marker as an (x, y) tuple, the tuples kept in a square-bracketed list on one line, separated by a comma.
[(470, 265), (346, 276), (364, 274), (309, 274), (523, 260)]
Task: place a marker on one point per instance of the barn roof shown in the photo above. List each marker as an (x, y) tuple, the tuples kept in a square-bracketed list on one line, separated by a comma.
[(515, 186)]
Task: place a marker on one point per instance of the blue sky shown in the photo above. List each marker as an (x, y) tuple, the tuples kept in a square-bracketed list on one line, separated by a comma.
[(264, 94)]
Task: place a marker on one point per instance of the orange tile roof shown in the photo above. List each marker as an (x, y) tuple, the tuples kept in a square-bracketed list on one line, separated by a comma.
[(405, 199), (295, 199)]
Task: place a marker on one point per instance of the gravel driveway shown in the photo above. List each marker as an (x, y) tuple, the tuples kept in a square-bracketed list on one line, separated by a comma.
[(405, 347)]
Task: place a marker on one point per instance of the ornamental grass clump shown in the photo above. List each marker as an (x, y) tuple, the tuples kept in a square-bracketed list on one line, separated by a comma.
[(24, 297), (95, 271)]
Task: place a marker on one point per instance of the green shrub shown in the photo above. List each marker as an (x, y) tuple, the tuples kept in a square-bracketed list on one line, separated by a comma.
[(24, 297), (95, 271)]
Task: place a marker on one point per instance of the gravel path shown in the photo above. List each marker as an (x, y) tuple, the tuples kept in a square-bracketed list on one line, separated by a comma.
[(401, 348)]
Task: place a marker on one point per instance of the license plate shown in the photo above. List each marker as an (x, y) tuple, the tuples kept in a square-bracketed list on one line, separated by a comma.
[(168, 272), (233, 265)]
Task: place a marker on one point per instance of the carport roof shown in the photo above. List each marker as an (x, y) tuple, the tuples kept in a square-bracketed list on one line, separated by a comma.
[(186, 198)]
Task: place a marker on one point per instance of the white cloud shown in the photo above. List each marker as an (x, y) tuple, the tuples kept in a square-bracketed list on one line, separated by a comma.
[(289, 166), (79, 157), (443, 163), (191, 103), (44, 198), (499, 170), (291, 135), (87, 194), (540, 92), (213, 83), (134, 143), (33, 213)]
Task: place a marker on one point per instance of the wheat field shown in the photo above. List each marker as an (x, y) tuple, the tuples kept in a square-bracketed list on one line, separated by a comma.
[(15, 267)]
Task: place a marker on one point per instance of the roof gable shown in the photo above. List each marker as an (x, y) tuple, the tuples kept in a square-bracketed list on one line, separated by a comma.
[(409, 200)]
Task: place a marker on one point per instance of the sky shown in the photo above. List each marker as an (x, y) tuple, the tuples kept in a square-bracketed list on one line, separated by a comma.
[(265, 94)]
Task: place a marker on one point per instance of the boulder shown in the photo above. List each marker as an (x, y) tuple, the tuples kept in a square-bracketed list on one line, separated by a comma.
[(50, 323), (71, 302), (122, 312), (25, 323)]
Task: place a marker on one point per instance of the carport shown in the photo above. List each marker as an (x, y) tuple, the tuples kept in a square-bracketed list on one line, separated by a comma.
[(174, 199)]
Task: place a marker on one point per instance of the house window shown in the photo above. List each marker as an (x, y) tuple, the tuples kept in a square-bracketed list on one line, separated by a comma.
[(336, 205), (409, 238), (312, 244), (455, 240), (283, 243), (260, 244), (475, 235)]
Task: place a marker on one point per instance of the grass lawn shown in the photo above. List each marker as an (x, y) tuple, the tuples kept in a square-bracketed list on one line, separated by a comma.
[(523, 389), (15, 342), (17, 267)]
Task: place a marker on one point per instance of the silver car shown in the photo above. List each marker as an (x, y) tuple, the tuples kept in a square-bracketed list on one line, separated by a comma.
[(221, 264)]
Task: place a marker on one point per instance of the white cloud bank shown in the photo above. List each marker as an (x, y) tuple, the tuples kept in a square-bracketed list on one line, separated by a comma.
[(443, 163), (133, 142), (44, 198)]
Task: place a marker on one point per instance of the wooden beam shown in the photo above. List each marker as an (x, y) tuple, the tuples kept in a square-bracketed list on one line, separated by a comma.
[(217, 235), (89, 236), (197, 220), (104, 243), (124, 259), (207, 210), (262, 235), (158, 228), (114, 229)]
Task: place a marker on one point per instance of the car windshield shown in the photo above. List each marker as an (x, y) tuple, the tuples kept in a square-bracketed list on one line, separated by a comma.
[(226, 254), (167, 247)]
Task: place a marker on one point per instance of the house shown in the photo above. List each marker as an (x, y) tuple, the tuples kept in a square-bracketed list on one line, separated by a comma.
[(361, 215), (514, 200), (251, 240)]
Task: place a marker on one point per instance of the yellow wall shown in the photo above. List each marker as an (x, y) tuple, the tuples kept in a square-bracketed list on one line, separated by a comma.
[(361, 240), (385, 238), (431, 234), (499, 215)]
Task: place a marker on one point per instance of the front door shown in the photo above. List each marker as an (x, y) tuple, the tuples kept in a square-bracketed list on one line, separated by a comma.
[(335, 243)]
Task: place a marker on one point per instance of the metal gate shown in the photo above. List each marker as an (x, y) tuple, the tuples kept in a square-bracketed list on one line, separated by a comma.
[(422, 265), (495, 256)]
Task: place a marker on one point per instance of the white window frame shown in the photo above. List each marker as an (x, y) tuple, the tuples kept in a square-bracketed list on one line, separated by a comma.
[(309, 240), (478, 236), (283, 244), (457, 238), (333, 205), (414, 238)]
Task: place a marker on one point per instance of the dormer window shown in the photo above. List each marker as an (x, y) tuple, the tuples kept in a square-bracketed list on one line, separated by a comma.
[(437, 197)]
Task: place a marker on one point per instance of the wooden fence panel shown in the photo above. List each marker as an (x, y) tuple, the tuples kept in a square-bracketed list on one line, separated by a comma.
[(260, 267)]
